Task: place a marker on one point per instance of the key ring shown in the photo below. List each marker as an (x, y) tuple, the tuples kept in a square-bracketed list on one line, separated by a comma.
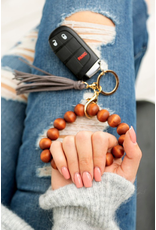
[(96, 85), (98, 89), (116, 78)]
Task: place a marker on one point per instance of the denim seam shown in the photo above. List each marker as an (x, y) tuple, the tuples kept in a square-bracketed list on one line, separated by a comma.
[(143, 50)]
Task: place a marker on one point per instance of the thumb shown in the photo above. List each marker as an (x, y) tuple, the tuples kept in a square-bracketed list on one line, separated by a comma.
[(131, 161)]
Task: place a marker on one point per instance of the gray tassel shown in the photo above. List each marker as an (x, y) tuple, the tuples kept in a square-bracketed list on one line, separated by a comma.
[(37, 83)]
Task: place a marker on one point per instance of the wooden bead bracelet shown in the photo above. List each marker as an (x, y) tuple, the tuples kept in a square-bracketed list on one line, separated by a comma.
[(89, 110), (92, 109)]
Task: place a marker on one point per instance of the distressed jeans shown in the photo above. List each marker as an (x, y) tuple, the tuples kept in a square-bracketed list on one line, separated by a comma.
[(121, 48)]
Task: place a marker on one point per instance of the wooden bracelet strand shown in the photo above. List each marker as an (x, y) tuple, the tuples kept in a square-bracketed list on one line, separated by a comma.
[(103, 115)]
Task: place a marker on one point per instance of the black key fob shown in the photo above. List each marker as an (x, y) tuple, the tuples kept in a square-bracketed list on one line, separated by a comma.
[(74, 52)]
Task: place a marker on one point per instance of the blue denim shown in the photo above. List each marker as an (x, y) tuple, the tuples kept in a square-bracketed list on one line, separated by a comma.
[(123, 57), (140, 35), (12, 125)]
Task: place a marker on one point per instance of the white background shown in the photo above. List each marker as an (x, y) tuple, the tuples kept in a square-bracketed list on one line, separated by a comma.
[(20, 16)]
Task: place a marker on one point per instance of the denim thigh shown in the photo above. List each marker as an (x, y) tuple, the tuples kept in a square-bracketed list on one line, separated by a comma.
[(43, 108), (12, 125), (13, 111)]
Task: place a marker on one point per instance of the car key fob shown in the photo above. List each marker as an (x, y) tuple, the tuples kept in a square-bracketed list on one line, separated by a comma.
[(74, 52)]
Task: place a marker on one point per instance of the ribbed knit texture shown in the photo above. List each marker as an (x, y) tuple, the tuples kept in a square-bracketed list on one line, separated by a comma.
[(88, 208), (10, 221), (74, 209)]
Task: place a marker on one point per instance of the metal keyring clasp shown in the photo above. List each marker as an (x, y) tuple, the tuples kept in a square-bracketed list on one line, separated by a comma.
[(92, 100), (116, 78), (98, 89)]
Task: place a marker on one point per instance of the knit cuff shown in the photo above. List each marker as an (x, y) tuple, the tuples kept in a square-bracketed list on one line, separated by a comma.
[(10, 221), (95, 206)]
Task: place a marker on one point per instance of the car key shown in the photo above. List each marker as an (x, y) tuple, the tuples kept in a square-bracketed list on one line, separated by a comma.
[(72, 50)]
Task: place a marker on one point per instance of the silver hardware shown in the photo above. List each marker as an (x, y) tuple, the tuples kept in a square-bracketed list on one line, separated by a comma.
[(94, 69)]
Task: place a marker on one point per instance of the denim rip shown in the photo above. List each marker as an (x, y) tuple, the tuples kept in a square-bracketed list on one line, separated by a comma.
[(24, 49), (92, 32)]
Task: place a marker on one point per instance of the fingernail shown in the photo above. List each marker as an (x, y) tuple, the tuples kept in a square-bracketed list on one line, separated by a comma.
[(78, 180), (97, 174), (65, 173), (132, 135), (87, 180)]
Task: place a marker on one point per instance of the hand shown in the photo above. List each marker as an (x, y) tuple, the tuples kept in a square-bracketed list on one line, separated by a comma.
[(94, 147), (79, 155)]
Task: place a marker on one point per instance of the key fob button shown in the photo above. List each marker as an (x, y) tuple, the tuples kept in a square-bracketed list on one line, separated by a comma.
[(82, 56), (73, 45), (74, 65), (55, 43), (64, 36), (63, 54)]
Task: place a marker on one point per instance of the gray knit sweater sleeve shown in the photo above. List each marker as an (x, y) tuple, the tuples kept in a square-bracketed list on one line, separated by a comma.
[(10, 221), (85, 208), (88, 208)]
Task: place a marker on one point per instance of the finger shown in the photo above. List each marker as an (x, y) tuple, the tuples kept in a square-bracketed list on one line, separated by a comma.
[(133, 156), (84, 150), (59, 158), (72, 160), (101, 142)]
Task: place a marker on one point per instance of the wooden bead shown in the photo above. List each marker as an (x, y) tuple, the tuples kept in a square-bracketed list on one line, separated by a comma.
[(53, 165), (59, 123), (46, 156), (45, 143), (53, 133), (69, 116), (79, 110), (92, 109), (114, 120), (103, 115), (122, 128), (109, 159), (121, 139), (117, 151)]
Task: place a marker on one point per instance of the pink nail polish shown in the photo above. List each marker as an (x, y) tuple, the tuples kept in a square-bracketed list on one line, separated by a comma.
[(78, 180), (132, 135), (97, 174), (65, 173), (87, 180)]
